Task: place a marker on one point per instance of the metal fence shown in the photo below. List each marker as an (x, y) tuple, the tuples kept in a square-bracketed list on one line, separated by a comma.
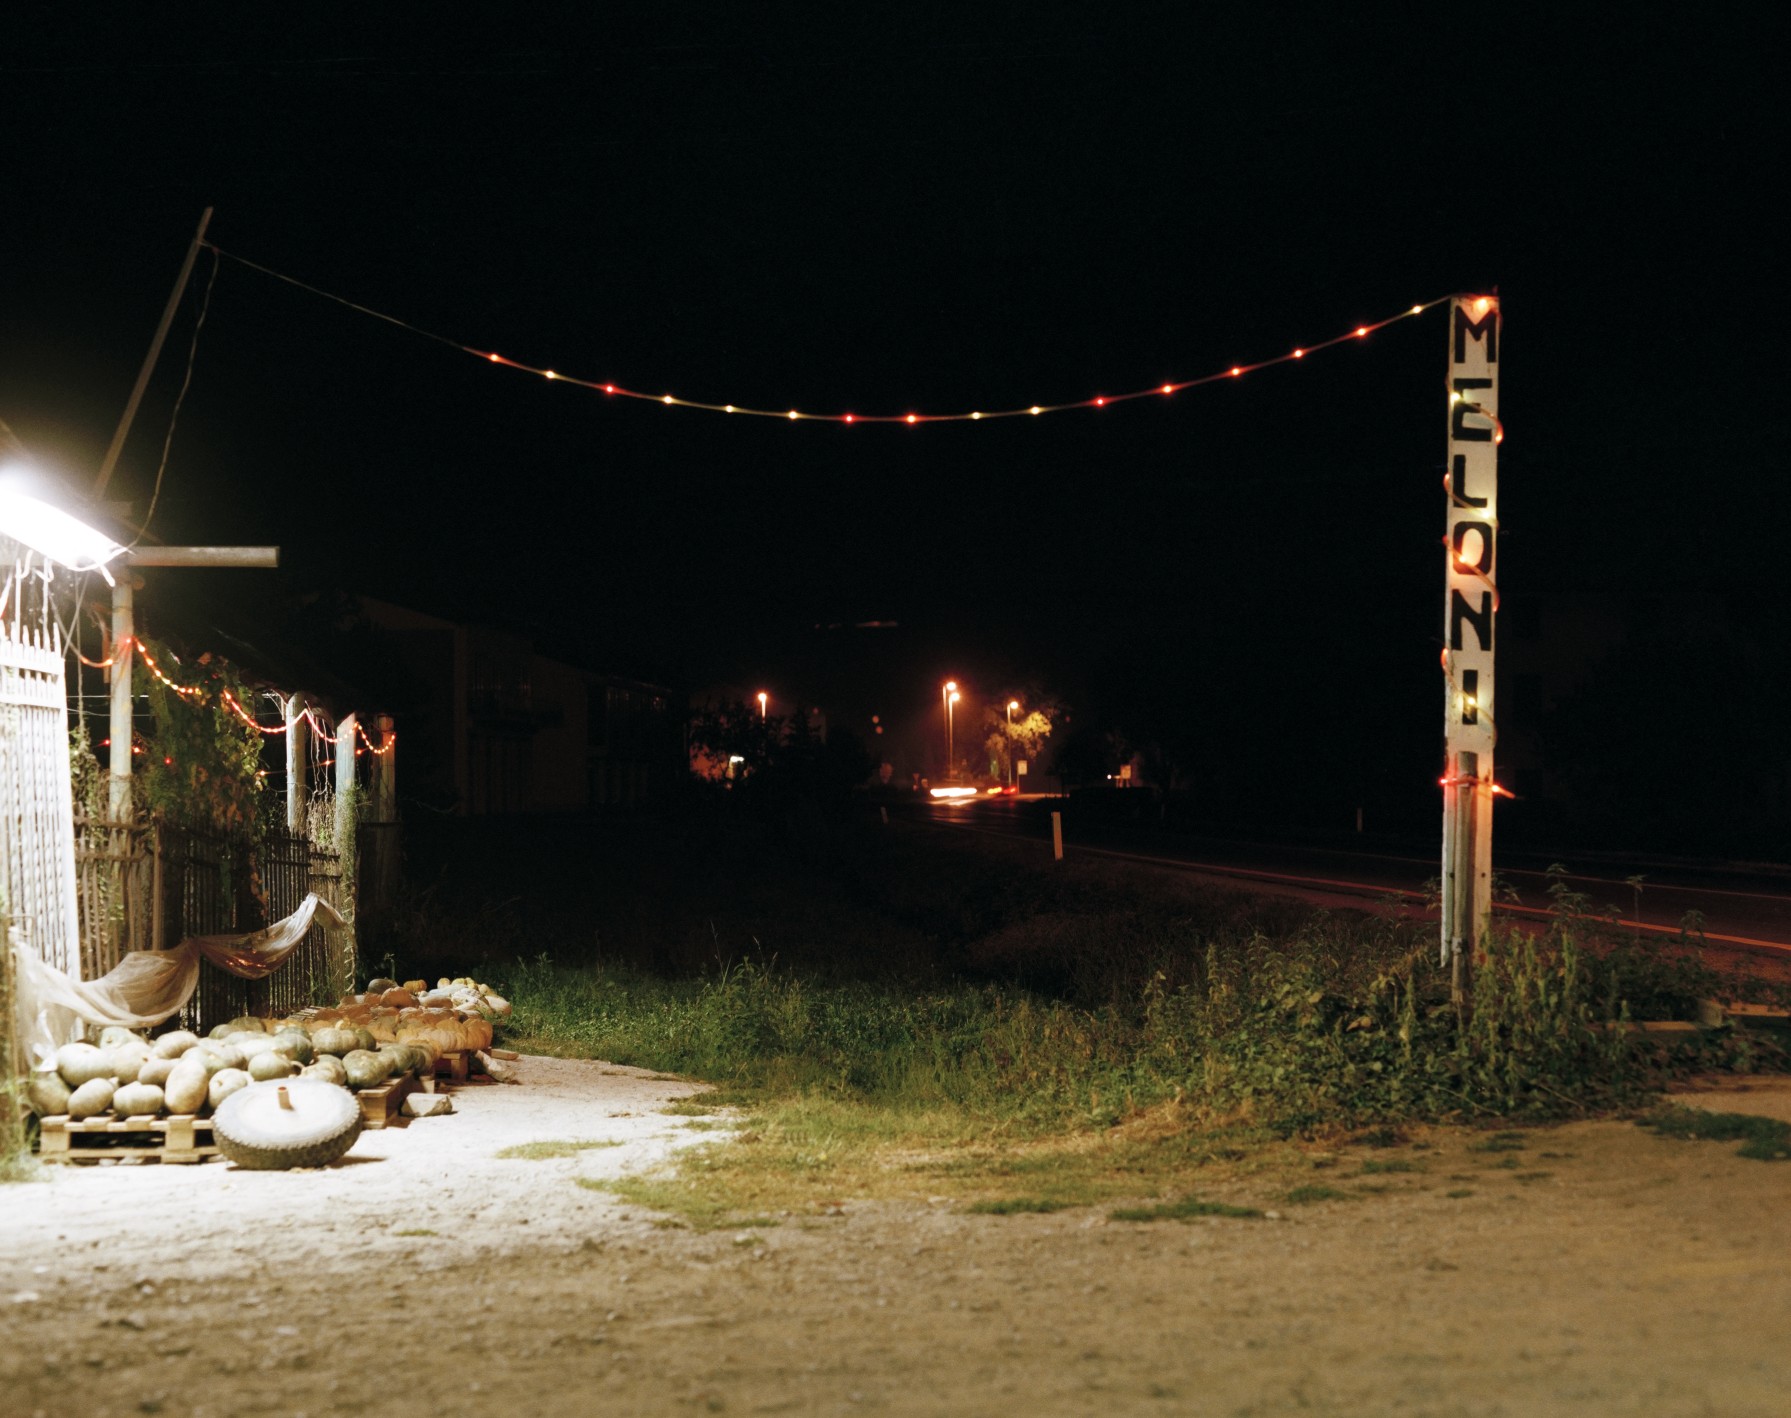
[(35, 795), (150, 884), (115, 891)]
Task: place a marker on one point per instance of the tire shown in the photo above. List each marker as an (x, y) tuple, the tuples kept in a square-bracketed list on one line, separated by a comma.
[(257, 1131)]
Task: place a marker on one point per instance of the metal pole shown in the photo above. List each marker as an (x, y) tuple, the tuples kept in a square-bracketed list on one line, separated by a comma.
[(124, 647), (155, 350), (345, 848)]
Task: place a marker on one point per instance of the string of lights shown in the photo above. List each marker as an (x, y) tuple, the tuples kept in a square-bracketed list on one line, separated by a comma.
[(620, 391), (195, 694)]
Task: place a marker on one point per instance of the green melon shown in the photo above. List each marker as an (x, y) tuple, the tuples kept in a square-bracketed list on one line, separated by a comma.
[(137, 1100), (296, 1045), (207, 1058), (187, 1087), (270, 1065), (335, 1041), (328, 1069), (172, 1046), (365, 1069), (82, 1063), (250, 1045), (128, 1059), (225, 1082), (47, 1093), (250, 1023), (365, 1039), (91, 1098)]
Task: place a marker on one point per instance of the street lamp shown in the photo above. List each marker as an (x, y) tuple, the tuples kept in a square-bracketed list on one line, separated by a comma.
[(951, 697), (1012, 705), (764, 703)]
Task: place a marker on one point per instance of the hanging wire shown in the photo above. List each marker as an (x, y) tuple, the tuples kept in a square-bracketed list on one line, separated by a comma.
[(179, 399), (1096, 401)]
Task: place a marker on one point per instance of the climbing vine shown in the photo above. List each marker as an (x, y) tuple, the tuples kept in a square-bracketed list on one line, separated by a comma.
[(203, 765)]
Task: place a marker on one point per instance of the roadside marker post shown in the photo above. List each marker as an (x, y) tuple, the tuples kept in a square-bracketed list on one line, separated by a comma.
[(1470, 606), (1057, 836)]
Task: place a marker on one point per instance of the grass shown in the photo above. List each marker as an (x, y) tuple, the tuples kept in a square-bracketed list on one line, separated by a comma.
[(1313, 1192), (1187, 1209), (1018, 1205), (543, 1151), (1083, 1034), (1762, 1139)]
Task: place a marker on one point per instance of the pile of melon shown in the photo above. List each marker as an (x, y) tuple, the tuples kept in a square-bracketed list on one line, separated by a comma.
[(130, 1076), (411, 1014), (464, 995)]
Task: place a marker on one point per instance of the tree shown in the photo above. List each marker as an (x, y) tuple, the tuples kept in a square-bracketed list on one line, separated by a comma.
[(1022, 736)]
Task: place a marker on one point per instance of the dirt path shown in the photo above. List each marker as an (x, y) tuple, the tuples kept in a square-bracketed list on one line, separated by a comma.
[(1586, 1269)]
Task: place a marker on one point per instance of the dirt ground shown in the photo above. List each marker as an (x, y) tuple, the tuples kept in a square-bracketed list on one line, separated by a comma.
[(1591, 1268)]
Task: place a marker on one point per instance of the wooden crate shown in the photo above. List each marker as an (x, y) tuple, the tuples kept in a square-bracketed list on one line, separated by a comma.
[(181, 1137), (380, 1107)]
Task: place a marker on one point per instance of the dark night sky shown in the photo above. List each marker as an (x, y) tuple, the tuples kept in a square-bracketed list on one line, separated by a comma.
[(876, 212)]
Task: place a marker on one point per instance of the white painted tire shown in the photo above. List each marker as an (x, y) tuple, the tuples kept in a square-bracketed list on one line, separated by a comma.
[(312, 1126)]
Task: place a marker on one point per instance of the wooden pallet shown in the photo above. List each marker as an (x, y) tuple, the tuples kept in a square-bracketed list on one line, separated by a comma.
[(179, 1138), (459, 1066), (381, 1107)]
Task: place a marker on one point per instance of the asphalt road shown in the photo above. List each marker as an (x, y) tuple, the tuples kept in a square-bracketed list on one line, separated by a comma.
[(1742, 909)]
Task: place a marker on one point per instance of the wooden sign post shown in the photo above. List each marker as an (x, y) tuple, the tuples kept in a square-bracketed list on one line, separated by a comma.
[(1471, 600)]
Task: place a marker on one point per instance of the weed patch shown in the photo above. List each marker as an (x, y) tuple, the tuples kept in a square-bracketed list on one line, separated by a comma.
[(1187, 1209), (1763, 1139), (543, 1151), (1017, 1206), (1303, 1196)]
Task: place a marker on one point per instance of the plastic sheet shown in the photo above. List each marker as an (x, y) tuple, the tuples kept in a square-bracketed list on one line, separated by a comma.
[(148, 986)]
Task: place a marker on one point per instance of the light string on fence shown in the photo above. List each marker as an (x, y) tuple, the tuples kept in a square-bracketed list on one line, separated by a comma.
[(1095, 401), (195, 694)]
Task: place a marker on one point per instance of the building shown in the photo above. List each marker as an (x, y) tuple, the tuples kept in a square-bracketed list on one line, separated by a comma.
[(493, 726)]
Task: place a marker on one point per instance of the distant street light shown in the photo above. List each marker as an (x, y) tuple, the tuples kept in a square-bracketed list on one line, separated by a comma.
[(764, 705), (1012, 705), (951, 697)]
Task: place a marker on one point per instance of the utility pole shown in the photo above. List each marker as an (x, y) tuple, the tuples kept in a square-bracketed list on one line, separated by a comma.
[(1471, 601), (155, 349)]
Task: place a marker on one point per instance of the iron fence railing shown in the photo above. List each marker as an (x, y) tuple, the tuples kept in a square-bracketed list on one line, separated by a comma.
[(149, 885)]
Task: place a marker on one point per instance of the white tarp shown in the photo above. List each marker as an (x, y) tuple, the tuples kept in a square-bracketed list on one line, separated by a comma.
[(147, 986)]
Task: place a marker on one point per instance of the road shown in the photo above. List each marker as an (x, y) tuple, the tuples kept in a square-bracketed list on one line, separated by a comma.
[(1744, 910)]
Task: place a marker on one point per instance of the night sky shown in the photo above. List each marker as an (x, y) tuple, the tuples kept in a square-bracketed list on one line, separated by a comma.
[(882, 212)]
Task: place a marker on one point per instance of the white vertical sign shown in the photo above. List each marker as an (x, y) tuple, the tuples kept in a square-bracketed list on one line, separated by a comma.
[(1470, 606)]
